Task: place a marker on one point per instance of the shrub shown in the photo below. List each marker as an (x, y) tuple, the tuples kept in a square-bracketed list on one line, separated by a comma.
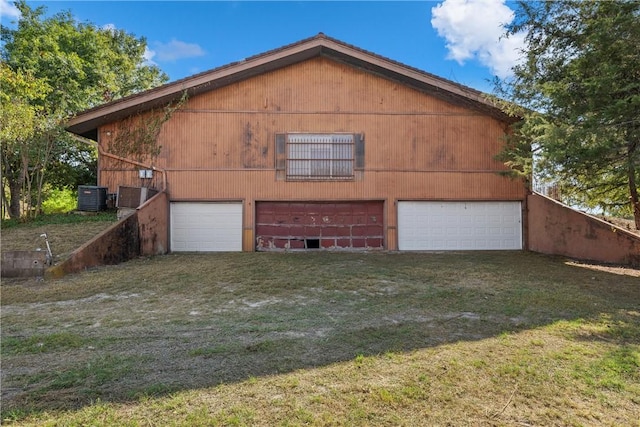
[(60, 201)]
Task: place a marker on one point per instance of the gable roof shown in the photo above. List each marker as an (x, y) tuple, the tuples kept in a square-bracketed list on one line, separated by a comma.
[(87, 122)]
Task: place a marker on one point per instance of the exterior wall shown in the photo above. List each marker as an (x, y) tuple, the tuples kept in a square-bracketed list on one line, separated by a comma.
[(153, 225), (221, 145), (556, 229)]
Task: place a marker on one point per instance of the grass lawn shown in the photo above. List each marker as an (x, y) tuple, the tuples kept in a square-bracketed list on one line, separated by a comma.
[(65, 232), (346, 339)]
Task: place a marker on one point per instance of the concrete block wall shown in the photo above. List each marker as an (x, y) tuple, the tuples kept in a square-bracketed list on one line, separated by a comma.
[(23, 263)]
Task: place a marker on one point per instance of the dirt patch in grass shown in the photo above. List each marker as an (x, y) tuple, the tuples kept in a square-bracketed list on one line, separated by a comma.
[(622, 271), (325, 338)]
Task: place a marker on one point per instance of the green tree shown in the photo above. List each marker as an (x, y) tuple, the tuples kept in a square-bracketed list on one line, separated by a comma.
[(578, 92), (20, 119), (82, 66)]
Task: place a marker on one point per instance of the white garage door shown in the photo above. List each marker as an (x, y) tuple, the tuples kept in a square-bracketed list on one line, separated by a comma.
[(206, 227), (459, 225)]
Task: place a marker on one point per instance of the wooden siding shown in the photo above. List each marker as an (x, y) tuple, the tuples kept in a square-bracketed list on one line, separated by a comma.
[(221, 145)]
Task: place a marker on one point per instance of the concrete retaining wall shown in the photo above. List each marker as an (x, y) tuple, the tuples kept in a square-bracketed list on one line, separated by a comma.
[(116, 244), (153, 225), (23, 263), (556, 229), (144, 232)]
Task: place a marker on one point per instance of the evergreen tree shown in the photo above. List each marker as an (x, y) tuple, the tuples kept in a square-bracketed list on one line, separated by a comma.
[(578, 92)]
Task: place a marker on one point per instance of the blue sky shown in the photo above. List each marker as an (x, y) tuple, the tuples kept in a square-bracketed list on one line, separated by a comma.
[(455, 39)]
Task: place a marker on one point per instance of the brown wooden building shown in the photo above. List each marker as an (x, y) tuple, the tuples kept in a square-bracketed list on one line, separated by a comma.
[(320, 144)]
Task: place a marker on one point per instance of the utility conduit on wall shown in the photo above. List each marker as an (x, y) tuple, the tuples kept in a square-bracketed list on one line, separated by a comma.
[(144, 233), (101, 152)]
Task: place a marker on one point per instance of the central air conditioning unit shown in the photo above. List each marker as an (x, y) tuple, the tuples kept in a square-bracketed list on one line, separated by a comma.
[(132, 197), (92, 198)]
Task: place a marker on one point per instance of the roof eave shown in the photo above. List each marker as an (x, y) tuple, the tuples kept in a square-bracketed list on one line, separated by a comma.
[(418, 79), (162, 95), (88, 121)]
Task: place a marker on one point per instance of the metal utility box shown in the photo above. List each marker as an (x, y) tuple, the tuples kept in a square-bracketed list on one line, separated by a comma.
[(132, 197), (92, 198)]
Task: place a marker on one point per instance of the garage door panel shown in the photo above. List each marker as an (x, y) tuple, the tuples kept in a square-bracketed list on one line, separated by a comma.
[(459, 225), (206, 227), (306, 225)]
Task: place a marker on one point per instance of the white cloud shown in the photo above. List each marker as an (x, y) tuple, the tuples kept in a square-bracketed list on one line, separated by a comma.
[(8, 9), (148, 56), (176, 49), (109, 27), (473, 29)]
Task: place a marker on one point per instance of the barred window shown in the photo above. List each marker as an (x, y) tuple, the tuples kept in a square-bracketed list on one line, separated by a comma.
[(307, 156)]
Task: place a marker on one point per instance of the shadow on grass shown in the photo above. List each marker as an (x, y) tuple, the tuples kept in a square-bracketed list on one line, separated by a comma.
[(156, 326)]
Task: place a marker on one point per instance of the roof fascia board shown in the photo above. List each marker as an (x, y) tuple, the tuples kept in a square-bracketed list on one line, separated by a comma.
[(396, 68), (273, 60), (193, 85), (418, 79)]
